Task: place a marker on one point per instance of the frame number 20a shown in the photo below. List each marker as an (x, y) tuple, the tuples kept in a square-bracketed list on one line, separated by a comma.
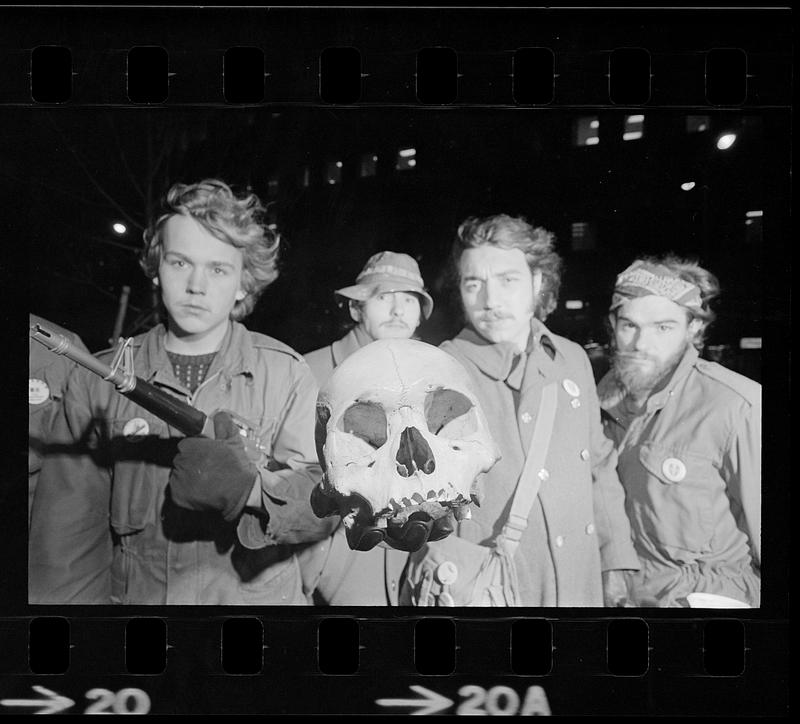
[(502, 701)]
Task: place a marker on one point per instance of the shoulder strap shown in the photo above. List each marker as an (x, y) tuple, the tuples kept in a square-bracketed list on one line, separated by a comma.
[(529, 481)]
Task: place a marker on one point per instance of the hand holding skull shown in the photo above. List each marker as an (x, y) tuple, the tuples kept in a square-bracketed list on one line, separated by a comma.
[(402, 439)]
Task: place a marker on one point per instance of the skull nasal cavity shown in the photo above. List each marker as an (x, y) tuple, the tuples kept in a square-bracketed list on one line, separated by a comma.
[(414, 454)]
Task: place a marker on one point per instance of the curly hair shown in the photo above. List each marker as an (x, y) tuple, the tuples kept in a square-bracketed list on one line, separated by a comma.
[(237, 221), (510, 232), (690, 271)]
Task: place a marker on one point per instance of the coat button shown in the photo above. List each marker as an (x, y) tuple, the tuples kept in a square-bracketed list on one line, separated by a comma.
[(543, 474), (584, 454), (559, 541), (526, 417), (590, 529)]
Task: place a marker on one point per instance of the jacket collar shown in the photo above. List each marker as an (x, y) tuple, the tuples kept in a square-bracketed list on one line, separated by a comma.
[(236, 355), (354, 340), (611, 393), (501, 360)]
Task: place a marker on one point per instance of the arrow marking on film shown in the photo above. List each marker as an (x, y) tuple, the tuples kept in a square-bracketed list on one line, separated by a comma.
[(52, 704), (429, 704)]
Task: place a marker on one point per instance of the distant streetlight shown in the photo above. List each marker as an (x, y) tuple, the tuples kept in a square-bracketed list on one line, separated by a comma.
[(725, 141), (119, 228), (688, 186)]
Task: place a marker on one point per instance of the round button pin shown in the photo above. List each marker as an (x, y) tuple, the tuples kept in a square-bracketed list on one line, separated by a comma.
[(673, 469), (136, 429), (38, 391), (447, 573), (571, 387)]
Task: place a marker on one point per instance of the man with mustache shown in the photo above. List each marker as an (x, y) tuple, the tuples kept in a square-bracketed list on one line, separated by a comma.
[(688, 436), (126, 511), (573, 540), (388, 301)]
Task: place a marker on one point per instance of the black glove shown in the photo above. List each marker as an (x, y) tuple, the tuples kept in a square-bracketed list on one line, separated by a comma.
[(213, 474), (408, 535)]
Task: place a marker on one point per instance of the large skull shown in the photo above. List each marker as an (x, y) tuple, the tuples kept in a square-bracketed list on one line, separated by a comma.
[(399, 430)]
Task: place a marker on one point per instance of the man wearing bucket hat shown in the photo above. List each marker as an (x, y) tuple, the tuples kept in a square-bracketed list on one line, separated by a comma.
[(688, 435), (388, 301)]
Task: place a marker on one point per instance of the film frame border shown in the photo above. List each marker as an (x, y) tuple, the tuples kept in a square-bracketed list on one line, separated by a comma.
[(767, 625)]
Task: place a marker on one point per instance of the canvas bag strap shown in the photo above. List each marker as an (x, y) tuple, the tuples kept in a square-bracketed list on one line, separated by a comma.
[(529, 481)]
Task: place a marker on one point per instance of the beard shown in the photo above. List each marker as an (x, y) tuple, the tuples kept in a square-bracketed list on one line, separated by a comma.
[(639, 374)]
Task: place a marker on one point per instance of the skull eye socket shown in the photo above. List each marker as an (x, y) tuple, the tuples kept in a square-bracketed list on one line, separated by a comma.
[(367, 421), (450, 413)]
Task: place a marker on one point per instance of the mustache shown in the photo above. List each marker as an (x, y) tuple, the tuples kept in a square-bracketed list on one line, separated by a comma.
[(633, 356), (494, 316)]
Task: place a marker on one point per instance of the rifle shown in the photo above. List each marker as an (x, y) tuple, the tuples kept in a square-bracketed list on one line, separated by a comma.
[(181, 415)]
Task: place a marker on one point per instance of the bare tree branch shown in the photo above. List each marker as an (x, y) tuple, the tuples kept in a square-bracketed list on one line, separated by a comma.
[(131, 176), (94, 181)]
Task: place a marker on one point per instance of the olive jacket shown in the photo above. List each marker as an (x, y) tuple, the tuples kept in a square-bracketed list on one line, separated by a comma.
[(104, 529), (691, 467)]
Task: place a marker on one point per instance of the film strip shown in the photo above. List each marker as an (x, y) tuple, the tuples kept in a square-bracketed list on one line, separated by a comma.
[(608, 67)]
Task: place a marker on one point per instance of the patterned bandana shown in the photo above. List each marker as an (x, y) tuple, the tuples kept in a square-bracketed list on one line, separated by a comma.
[(642, 278)]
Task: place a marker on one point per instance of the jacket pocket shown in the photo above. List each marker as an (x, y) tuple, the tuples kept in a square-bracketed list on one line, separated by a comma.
[(279, 584), (140, 458), (677, 508)]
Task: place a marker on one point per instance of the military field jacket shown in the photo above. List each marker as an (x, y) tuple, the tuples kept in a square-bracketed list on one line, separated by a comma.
[(691, 467), (104, 529)]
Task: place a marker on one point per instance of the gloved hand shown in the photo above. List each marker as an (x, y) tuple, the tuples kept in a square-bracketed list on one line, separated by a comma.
[(403, 533), (213, 474)]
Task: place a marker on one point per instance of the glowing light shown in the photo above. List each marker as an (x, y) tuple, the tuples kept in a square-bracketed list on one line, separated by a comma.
[(725, 141), (119, 228), (408, 152), (635, 119), (592, 141), (631, 135), (754, 214), (412, 162), (374, 158), (573, 304), (594, 124), (338, 164), (688, 186), (750, 343)]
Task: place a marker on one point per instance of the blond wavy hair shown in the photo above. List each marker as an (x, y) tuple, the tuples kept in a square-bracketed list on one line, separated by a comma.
[(236, 220)]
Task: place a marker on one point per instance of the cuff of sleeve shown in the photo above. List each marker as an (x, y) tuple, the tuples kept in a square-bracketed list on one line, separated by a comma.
[(619, 558), (253, 531)]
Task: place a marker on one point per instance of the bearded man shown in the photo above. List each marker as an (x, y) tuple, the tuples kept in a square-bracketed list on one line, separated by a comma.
[(688, 437)]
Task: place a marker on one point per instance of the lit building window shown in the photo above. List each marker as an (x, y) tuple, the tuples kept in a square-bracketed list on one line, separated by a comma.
[(587, 130), (369, 164), (583, 236), (634, 127), (272, 185), (696, 124), (333, 172), (306, 177), (406, 159), (753, 228)]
